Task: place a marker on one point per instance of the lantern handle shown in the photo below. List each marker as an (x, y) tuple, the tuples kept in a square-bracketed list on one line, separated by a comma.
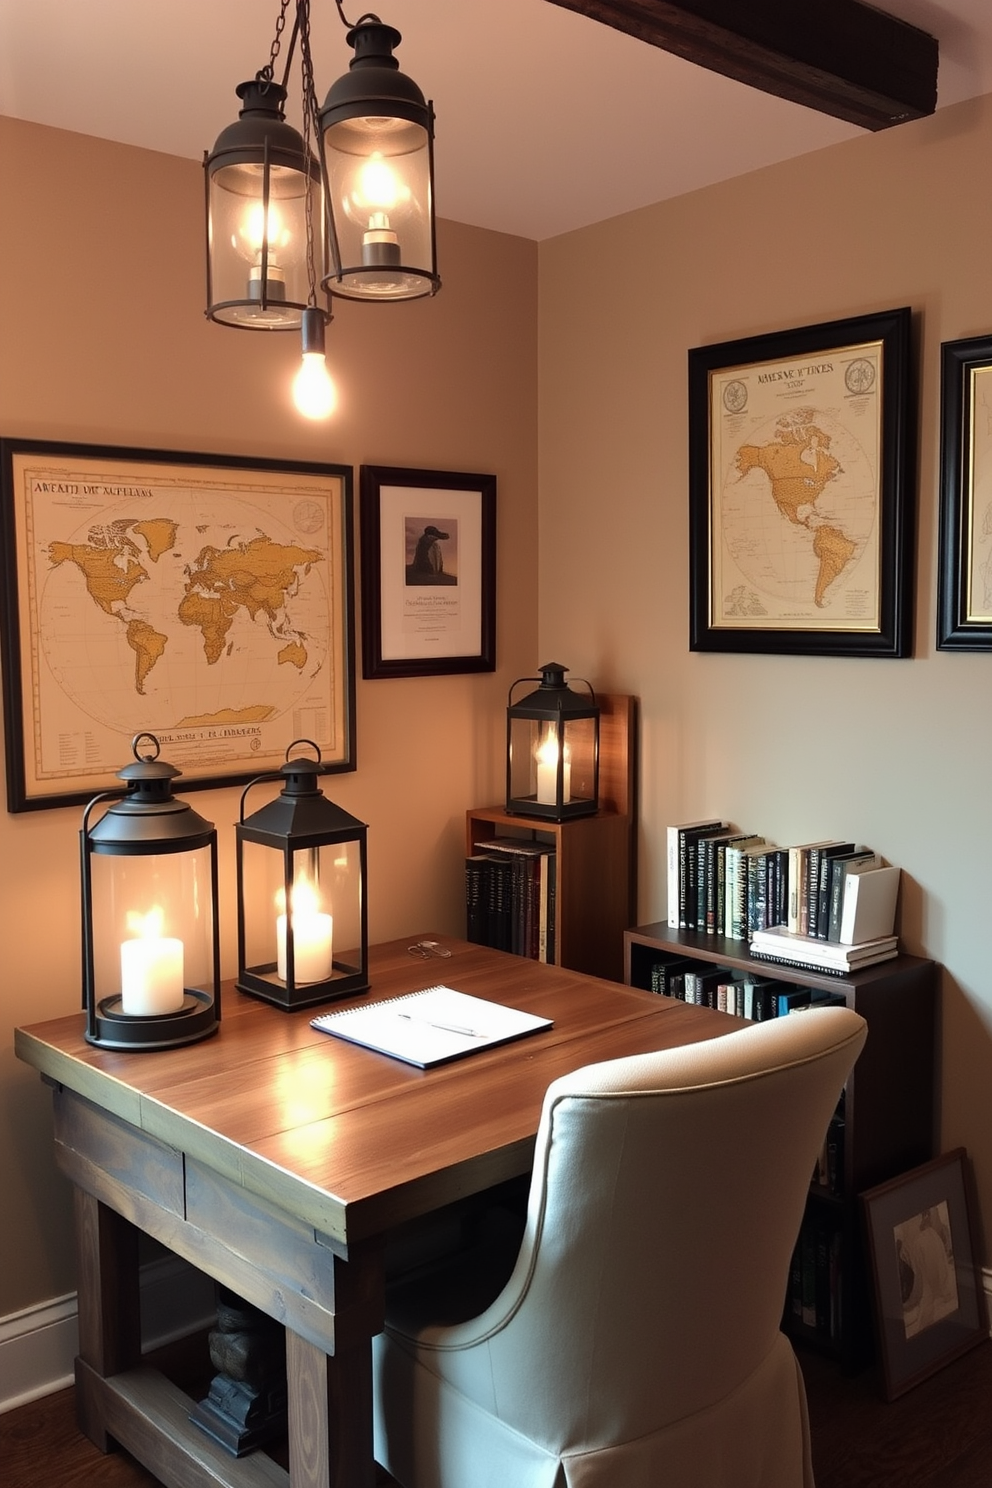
[(313, 746), (145, 758), (552, 670)]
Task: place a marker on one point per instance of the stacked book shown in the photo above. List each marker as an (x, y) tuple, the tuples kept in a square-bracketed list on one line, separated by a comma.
[(510, 892), (778, 943), (724, 881)]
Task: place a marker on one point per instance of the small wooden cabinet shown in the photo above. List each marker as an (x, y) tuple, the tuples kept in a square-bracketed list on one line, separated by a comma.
[(886, 1121), (595, 862)]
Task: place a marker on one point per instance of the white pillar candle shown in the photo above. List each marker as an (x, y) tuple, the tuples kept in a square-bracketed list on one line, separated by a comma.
[(312, 946), (151, 975), (547, 773)]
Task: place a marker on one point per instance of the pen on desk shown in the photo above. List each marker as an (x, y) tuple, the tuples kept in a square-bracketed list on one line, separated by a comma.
[(447, 1027)]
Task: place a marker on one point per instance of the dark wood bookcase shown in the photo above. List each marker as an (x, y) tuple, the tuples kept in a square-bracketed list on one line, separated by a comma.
[(595, 855), (888, 1111)]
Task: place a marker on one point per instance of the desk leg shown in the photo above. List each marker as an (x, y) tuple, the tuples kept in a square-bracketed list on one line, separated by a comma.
[(109, 1305), (330, 1416)]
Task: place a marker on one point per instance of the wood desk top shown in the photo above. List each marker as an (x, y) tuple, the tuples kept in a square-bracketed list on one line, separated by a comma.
[(350, 1141)]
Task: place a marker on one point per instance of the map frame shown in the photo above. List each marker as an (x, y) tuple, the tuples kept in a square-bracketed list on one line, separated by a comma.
[(867, 362), (964, 564), (42, 481)]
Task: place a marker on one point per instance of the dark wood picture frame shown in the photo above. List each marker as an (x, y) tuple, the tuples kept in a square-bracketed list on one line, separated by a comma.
[(964, 575), (126, 610), (428, 571), (776, 418), (929, 1300)]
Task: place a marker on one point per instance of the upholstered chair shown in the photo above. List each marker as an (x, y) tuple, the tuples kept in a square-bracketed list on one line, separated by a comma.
[(635, 1338)]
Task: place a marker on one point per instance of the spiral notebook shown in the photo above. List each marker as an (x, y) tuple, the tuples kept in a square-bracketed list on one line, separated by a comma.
[(430, 1027)]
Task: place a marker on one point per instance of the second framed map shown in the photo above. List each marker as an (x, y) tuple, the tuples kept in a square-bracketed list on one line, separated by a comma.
[(801, 490), (205, 599)]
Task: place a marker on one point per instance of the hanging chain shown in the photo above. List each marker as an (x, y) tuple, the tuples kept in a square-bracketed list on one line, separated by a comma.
[(268, 72), (368, 16), (309, 125)]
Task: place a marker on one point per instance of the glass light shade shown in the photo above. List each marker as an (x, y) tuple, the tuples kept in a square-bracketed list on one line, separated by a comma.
[(552, 750), (378, 132), (258, 179), (151, 957), (302, 913)]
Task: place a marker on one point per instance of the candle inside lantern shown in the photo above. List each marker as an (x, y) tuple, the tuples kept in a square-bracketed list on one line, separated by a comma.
[(312, 937), (152, 970), (547, 771)]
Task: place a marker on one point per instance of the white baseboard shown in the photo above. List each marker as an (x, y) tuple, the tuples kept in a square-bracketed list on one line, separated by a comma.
[(38, 1345)]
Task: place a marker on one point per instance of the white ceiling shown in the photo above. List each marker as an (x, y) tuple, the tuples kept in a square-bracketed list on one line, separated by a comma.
[(546, 121)]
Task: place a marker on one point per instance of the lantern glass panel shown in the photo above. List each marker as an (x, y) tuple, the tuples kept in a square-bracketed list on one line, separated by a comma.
[(538, 746), (152, 898), (238, 227), (325, 898), (378, 171)]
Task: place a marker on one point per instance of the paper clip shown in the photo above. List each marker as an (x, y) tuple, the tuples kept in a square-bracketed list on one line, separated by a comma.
[(427, 949)]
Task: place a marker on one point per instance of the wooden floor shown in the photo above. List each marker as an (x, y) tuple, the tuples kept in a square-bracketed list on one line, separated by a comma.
[(938, 1435)]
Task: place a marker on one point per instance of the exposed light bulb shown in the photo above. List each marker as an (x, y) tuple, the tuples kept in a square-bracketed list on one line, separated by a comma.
[(314, 393)]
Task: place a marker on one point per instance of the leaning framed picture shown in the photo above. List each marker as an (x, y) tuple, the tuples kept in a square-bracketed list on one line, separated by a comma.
[(205, 599), (801, 490), (428, 572), (929, 1301), (964, 571)]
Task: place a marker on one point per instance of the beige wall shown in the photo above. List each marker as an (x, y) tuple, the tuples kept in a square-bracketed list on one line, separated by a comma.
[(103, 340), (895, 753)]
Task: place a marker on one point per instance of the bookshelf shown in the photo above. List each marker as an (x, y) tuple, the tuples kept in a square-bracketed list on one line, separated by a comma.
[(595, 861), (888, 1117)]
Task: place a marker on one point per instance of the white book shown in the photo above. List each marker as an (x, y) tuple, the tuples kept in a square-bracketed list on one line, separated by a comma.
[(828, 955), (869, 904)]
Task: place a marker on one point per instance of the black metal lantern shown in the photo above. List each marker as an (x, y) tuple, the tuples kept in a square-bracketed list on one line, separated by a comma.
[(552, 749), (151, 951), (378, 155), (302, 908), (264, 216)]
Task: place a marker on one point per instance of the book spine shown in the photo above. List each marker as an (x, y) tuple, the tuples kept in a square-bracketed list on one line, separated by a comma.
[(812, 879), (672, 836)]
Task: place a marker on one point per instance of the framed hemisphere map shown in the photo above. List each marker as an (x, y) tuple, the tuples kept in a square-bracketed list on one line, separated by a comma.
[(205, 599), (964, 586), (801, 490)]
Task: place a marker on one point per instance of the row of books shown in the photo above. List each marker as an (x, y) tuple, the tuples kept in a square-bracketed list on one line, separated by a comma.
[(734, 991), (815, 1294), (510, 893), (723, 881)]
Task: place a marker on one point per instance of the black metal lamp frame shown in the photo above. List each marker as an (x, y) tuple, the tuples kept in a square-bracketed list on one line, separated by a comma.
[(557, 709), (146, 820), (300, 820)]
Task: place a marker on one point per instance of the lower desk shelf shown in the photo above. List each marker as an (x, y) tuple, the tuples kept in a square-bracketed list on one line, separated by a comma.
[(885, 1124)]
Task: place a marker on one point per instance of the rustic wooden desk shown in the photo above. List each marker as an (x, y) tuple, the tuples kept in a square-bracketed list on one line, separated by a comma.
[(276, 1159)]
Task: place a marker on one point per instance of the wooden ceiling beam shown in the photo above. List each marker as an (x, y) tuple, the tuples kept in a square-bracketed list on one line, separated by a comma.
[(837, 56)]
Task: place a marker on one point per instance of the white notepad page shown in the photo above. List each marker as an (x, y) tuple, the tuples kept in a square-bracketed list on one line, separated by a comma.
[(430, 1027)]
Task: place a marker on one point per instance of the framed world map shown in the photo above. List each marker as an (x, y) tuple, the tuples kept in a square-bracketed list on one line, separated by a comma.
[(205, 599), (801, 490)]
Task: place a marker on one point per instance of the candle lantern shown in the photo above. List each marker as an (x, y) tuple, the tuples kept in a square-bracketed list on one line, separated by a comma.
[(552, 749), (302, 909), (151, 951)]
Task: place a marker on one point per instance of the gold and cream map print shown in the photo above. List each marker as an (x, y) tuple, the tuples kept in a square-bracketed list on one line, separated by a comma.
[(256, 575), (795, 501), (202, 615)]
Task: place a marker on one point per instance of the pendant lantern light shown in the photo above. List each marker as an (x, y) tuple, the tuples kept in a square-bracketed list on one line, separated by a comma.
[(347, 204)]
